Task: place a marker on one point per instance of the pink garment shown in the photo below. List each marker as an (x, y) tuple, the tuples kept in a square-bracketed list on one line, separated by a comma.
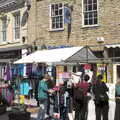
[(85, 86)]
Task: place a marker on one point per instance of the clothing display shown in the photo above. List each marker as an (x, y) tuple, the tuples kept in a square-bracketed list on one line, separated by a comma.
[(24, 87)]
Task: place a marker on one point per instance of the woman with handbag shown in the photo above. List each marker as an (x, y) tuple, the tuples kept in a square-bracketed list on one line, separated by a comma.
[(101, 98)]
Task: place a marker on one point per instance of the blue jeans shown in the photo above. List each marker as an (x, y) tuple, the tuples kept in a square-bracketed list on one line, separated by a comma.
[(43, 109)]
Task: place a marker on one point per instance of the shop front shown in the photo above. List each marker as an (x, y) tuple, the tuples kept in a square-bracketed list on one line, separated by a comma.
[(113, 57)]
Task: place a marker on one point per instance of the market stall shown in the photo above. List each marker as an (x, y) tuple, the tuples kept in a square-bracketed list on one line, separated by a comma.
[(57, 62)]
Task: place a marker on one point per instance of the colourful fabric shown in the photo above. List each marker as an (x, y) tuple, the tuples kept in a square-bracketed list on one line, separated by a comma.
[(18, 69), (28, 69), (24, 88), (42, 90)]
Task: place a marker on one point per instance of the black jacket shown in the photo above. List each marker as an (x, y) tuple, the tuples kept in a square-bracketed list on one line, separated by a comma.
[(99, 88)]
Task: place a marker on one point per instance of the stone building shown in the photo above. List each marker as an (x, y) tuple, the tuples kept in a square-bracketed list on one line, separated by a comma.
[(92, 22), (13, 31), (61, 23)]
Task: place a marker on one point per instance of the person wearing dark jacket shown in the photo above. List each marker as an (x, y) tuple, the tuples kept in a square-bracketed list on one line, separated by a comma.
[(101, 98)]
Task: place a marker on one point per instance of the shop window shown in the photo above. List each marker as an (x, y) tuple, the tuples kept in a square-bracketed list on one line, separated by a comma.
[(90, 12), (118, 72), (56, 16)]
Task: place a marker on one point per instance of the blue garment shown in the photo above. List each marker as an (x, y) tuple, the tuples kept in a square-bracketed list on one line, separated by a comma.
[(24, 88), (42, 90), (117, 88)]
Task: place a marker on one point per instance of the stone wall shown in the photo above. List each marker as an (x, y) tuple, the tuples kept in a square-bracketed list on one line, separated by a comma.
[(108, 27)]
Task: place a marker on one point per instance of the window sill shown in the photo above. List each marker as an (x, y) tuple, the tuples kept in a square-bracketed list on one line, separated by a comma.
[(3, 43), (90, 26), (14, 41), (55, 30)]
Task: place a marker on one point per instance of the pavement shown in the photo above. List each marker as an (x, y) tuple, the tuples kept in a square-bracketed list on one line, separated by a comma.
[(91, 112), (5, 116)]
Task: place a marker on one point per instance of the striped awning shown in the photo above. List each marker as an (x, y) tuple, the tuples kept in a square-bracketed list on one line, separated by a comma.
[(112, 46)]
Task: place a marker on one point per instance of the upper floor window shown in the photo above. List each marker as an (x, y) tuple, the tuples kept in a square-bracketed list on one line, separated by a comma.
[(17, 25), (90, 12), (56, 16), (4, 29)]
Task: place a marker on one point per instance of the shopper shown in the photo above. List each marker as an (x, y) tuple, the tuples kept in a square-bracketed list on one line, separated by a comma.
[(51, 97), (117, 96), (101, 98), (43, 92), (63, 102), (81, 99)]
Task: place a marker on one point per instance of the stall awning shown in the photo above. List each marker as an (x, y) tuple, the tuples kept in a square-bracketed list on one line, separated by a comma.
[(82, 56), (57, 55), (112, 45)]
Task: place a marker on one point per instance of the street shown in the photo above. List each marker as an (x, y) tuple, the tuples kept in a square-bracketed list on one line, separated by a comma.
[(91, 113), (5, 117)]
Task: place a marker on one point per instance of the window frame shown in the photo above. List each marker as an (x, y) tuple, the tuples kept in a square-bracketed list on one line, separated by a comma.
[(4, 29), (50, 16), (16, 25), (83, 16)]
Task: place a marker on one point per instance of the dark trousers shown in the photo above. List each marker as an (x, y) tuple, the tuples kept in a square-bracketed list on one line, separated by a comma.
[(102, 110), (63, 113), (81, 110), (117, 110)]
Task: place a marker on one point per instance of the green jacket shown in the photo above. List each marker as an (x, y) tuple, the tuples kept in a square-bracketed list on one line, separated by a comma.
[(42, 90)]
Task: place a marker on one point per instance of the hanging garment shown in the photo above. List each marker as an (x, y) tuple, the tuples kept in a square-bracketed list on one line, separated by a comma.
[(24, 88)]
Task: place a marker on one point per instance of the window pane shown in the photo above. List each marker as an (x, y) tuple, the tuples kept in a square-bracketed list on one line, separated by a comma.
[(94, 1), (86, 8), (89, 7), (94, 6), (86, 15), (95, 14), (95, 21), (89, 1), (53, 25), (85, 1), (53, 20), (56, 12), (56, 6), (86, 22), (90, 14), (17, 33), (60, 12), (90, 22), (57, 25), (60, 5), (61, 25)]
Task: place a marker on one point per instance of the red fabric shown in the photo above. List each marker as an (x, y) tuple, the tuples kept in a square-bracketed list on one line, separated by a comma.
[(85, 86), (87, 66), (56, 88)]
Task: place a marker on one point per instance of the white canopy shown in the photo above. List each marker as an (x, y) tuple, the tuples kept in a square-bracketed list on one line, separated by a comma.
[(53, 55)]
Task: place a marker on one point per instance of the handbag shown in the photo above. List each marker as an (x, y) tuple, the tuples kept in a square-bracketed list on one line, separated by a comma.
[(103, 98)]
